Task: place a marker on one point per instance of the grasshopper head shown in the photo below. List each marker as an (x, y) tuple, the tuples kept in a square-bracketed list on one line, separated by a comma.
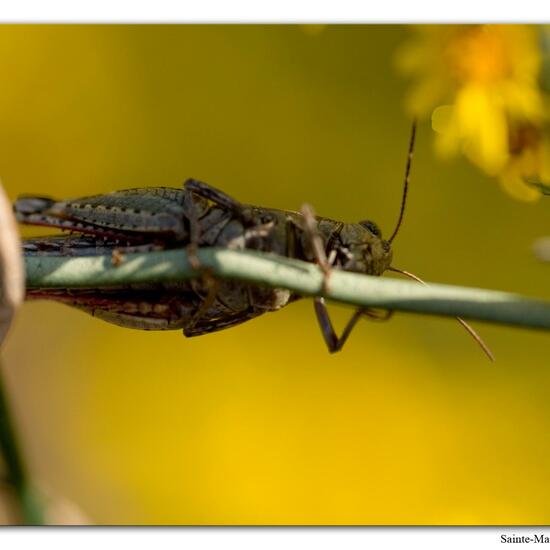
[(364, 249)]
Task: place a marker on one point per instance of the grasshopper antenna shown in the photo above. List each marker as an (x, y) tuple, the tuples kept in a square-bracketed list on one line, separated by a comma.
[(468, 328), (406, 182)]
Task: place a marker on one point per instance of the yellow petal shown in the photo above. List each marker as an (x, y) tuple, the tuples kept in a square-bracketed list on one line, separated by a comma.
[(442, 118), (516, 186), (483, 128), (425, 95)]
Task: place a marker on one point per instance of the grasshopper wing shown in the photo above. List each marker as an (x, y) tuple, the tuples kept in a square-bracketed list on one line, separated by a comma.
[(127, 214)]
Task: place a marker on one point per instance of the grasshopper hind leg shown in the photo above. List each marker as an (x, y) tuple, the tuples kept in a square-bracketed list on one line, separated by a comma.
[(218, 197)]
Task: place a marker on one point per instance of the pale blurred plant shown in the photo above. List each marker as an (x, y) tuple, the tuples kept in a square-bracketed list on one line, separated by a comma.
[(483, 89), (19, 495)]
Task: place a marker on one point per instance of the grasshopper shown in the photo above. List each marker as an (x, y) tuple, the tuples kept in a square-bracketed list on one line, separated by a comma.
[(200, 215)]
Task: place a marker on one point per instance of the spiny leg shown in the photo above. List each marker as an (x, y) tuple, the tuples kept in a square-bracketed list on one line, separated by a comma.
[(192, 212), (213, 288), (218, 197), (316, 242), (333, 342), (203, 190), (194, 237)]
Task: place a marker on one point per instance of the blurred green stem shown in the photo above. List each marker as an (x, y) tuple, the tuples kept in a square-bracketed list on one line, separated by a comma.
[(16, 473), (301, 277)]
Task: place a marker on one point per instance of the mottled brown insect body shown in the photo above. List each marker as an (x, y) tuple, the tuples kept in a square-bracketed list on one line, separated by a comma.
[(196, 216)]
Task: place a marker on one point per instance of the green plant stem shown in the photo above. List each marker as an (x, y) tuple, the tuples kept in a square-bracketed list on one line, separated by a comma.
[(301, 277), (16, 474)]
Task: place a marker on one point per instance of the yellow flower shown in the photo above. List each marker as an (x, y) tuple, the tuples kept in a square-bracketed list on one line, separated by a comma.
[(480, 83), (529, 162)]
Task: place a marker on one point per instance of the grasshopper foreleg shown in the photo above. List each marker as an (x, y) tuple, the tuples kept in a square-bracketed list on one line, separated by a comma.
[(316, 243), (333, 342)]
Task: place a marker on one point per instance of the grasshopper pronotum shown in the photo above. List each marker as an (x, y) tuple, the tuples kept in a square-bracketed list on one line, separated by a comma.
[(194, 216)]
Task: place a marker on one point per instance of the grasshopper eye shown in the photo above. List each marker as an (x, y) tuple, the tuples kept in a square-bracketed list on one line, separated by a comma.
[(372, 227)]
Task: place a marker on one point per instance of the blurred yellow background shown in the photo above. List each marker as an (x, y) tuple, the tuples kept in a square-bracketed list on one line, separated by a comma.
[(409, 424)]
